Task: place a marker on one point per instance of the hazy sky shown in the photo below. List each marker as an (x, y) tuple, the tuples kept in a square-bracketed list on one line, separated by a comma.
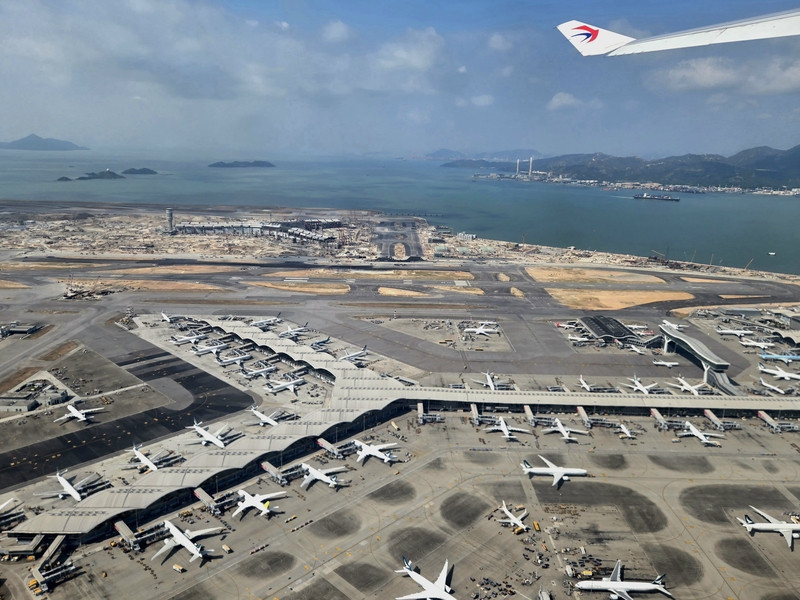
[(402, 77)]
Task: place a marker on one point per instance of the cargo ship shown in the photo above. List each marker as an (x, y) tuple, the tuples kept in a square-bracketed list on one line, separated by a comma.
[(665, 197)]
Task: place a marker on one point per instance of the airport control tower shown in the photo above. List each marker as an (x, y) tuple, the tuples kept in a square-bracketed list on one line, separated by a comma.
[(169, 220)]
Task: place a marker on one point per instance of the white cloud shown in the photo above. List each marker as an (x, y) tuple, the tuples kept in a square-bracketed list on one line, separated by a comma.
[(717, 99), (507, 71), (499, 42), (459, 101), (763, 116), (483, 100), (565, 100), (417, 52), (252, 22), (282, 25), (699, 74), (336, 31), (462, 69)]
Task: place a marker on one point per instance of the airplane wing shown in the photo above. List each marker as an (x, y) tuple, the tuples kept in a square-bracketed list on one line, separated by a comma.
[(766, 516), (550, 430), (91, 410), (787, 535), (547, 462), (80, 484), (307, 479), (621, 594), (417, 596), (616, 574), (441, 581), (219, 432), (557, 477), (578, 431), (168, 545), (518, 430), (334, 470), (493, 429), (201, 532), (261, 498), (238, 510)]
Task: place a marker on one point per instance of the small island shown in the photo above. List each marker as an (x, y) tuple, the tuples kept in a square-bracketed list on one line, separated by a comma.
[(63, 179), (139, 172), (107, 174), (238, 164)]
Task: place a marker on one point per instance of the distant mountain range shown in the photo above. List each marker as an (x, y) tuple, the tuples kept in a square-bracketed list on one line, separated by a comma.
[(500, 155), (240, 164), (757, 167), (34, 142)]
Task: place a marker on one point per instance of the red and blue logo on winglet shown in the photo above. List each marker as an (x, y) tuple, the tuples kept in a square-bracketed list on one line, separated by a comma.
[(589, 34)]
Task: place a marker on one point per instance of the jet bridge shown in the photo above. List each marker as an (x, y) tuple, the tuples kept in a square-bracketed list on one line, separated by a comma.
[(675, 339), (719, 424), (776, 426), (423, 417)]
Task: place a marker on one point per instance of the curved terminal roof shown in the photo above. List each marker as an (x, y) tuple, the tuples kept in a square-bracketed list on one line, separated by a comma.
[(695, 347)]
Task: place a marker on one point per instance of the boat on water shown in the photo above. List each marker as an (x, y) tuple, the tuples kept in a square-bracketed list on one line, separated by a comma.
[(665, 197)]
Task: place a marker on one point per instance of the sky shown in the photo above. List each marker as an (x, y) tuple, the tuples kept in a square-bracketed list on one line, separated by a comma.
[(400, 77)]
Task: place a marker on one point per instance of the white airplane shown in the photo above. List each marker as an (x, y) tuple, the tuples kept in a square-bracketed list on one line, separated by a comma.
[(324, 475), (209, 438), (264, 419), (355, 355), (543, 594), (291, 333), (514, 520), (790, 531), (251, 374), (737, 332), (772, 388), (784, 358), (622, 589), (314, 345), (704, 437), (208, 349), (187, 339), (558, 473), (578, 338), (636, 349), (754, 344), (482, 330), (778, 373), (257, 501), (490, 382), (278, 386), (268, 321), (80, 415), (365, 450), (638, 386), (224, 362), (677, 326), (636, 327), (143, 458), (170, 318), (685, 386), (665, 363), (588, 387), (594, 41), (6, 503), (438, 590), (558, 426), (184, 539), (503, 426), (67, 488), (565, 325), (624, 432)]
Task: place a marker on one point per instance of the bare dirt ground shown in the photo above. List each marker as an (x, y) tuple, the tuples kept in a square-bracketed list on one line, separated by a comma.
[(612, 299), (388, 274), (702, 280), (388, 291), (15, 379), (176, 270), (324, 289), (459, 290), (503, 277), (58, 352), (517, 293), (11, 285), (734, 296), (147, 285), (567, 275)]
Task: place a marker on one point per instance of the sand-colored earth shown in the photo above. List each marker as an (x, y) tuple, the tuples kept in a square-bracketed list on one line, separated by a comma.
[(388, 291), (612, 299), (399, 251), (517, 293), (735, 296), (567, 275), (384, 274), (146, 285), (703, 280), (459, 290), (12, 285), (322, 289), (33, 266), (176, 270), (503, 277)]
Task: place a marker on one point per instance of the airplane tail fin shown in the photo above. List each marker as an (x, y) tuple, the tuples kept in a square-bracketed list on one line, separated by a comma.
[(660, 579), (407, 566), (526, 464)]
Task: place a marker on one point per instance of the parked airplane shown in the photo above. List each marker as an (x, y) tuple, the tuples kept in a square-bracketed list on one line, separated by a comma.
[(490, 382), (67, 488), (543, 594), (431, 589), (185, 539), (482, 330), (264, 419), (565, 325), (257, 501), (84, 415), (784, 358), (323, 475), (6, 503), (328, 447), (208, 349), (558, 473), (624, 432), (327, 340), (622, 589), (790, 531), (677, 326), (251, 374), (769, 386), (187, 339), (737, 332), (588, 387), (778, 373), (365, 450), (638, 386), (685, 386), (664, 363), (150, 463), (503, 426), (224, 362), (578, 338), (754, 344), (637, 327), (594, 41), (208, 438), (558, 426), (355, 355), (292, 333), (514, 520), (170, 318), (278, 386), (705, 438), (268, 321)]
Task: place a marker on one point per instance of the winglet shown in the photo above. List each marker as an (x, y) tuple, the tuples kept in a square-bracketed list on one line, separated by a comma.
[(590, 40)]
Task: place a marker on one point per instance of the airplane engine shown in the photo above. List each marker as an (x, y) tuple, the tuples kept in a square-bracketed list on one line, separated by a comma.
[(565, 478), (613, 597), (796, 536)]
